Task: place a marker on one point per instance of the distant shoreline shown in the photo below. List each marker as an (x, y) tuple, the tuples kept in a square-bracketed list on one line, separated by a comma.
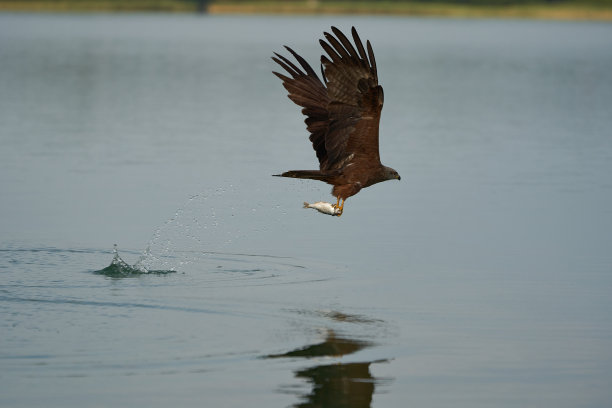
[(557, 11), (567, 11)]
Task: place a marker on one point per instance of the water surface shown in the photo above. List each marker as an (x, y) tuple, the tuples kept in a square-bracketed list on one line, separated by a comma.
[(481, 279)]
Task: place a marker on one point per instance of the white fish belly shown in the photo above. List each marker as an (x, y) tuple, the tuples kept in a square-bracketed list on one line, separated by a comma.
[(322, 207)]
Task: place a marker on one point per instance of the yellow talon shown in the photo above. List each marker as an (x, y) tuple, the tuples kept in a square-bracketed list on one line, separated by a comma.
[(339, 207)]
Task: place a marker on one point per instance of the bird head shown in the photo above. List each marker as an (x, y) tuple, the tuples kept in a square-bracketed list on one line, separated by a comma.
[(391, 174)]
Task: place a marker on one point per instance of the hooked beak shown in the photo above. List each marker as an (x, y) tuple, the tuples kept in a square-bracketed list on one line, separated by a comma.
[(399, 177)]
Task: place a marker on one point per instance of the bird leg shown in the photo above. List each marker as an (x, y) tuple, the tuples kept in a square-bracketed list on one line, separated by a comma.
[(339, 207)]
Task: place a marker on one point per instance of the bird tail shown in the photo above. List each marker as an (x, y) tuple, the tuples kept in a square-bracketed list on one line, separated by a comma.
[(305, 174)]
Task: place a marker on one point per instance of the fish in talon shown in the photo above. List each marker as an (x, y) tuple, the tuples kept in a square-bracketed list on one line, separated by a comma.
[(324, 208)]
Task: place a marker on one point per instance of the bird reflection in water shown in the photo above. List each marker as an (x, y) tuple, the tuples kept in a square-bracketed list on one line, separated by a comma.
[(336, 385)]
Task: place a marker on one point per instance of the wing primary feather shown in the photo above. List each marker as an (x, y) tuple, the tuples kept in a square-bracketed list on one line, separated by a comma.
[(337, 46), (287, 65), (359, 45), (293, 85), (323, 73), (330, 51), (372, 60), (283, 78), (346, 43), (303, 88), (302, 62)]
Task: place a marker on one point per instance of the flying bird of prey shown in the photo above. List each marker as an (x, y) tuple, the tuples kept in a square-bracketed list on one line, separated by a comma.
[(342, 114)]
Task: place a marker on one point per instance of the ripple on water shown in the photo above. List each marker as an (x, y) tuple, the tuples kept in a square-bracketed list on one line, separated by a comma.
[(224, 268)]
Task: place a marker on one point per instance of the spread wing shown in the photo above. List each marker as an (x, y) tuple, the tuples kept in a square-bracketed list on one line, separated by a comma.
[(306, 90), (356, 100), (343, 113)]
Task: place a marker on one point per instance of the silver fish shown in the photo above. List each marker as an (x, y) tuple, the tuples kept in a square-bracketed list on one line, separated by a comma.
[(323, 207)]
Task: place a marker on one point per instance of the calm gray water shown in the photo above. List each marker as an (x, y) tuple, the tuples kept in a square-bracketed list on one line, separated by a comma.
[(482, 279)]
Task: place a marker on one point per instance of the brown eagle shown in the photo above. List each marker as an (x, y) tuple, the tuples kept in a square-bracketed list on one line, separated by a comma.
[(342, 114)]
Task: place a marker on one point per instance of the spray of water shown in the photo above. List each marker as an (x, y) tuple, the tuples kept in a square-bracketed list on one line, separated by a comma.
[(210, 222)]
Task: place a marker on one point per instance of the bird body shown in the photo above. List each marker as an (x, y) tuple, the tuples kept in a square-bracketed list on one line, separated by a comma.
[(342, 114)]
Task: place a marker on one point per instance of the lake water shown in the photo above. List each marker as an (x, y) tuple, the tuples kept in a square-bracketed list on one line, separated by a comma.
[(482, 279)]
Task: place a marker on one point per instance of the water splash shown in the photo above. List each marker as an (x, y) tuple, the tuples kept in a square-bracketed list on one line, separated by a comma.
[(214, 221), (118, 268)]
